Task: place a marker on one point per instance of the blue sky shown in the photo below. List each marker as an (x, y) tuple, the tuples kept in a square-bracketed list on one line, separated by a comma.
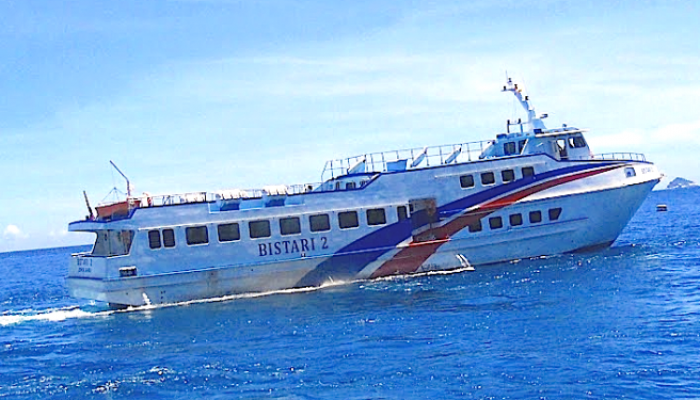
[(213, 94)]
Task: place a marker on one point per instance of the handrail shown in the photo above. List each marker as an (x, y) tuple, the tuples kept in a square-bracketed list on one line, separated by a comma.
[(621, 156), (416, 158)]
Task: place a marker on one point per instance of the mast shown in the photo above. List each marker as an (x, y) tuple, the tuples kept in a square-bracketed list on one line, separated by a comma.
[(533, 121), (128, 185)]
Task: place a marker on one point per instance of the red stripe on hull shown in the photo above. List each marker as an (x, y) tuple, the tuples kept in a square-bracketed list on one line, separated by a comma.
[(411, 258)]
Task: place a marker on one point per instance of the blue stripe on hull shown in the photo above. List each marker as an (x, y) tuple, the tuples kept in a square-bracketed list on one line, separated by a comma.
[(353, 258)]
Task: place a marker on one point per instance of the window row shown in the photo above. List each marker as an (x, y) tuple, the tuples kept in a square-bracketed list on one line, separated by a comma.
[(535, 217), (229, 232), (489, 178)]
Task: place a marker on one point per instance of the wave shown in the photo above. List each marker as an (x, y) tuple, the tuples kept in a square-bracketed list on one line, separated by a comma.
[(76, 311)]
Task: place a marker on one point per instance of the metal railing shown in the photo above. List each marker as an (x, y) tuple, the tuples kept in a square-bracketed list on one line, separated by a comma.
[(621, 156), (420, 157)]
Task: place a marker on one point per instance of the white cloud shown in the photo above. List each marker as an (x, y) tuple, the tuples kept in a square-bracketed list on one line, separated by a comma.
[(13, 232)]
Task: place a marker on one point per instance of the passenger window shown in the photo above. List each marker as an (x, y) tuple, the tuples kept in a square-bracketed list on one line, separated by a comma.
[(516, 220), (376, 216), (259, 229), (229, 232), (495, 223), (154, 239), (508, 175), (554, 213), (197, 235), (475, 226), (535, 217), (509, 148), (348, 219), (319, 223), (466, 181), (168, 238), (290, 226), (350, 185), (528, 171), (402, 213), (487, 178), (337, 186)]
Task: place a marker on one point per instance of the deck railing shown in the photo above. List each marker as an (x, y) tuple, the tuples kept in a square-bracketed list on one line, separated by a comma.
[(621, 156), (370, 163), (394, 160)]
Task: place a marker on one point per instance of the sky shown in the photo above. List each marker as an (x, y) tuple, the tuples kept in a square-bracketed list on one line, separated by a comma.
[(204, 95)]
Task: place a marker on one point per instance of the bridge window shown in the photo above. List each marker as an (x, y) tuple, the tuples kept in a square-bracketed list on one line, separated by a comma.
[(495, 223), (487, 178), (508, 175), (348, 219), (528, 171), (229, 232), (154, 239), (259, 229), (554, 213), (197, 235), (475, 226), (290, 226), (319, 223), (577, 141), (509, 148), (535, 217), (516, 219), (168, 238), (521, 145), (466, 181), (376, 216), (402, 213)]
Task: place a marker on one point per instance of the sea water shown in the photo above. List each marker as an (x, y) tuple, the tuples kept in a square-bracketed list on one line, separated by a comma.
[(620, 323)]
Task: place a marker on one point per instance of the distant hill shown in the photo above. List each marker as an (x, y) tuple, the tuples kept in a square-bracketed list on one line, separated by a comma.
[(680, 183)]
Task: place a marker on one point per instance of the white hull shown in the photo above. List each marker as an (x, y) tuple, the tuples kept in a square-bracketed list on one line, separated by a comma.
[(525, 194), (602, 217)]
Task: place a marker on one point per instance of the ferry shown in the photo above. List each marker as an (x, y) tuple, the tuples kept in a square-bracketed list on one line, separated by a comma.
[(529, 192)]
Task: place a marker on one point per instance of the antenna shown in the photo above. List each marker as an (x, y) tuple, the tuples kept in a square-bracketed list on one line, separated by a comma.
[(128, 185), (87, 203)]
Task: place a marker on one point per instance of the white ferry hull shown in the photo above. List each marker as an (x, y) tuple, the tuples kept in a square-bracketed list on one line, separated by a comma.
[(607, 212), (530, 192)]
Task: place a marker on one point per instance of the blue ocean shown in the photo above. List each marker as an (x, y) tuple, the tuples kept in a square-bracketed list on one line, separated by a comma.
[(619, 323)]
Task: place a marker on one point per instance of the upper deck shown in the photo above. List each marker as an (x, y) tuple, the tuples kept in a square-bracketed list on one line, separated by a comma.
[(356, 172)]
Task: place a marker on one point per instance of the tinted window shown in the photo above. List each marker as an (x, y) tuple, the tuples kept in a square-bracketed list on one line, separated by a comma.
[(229, 232), (535, 217), (554, 213), (528, 171), (521, 145), (259, 229), (154, 239), (168, 238), (402, 213), (509, 148), (376, 216), (487, 178), (475, 226), (466, 181), (197, 235), (577, 141), (495, 222), (290, 226), (319, 223), (348, 219), (508, 175), (516, 219)]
